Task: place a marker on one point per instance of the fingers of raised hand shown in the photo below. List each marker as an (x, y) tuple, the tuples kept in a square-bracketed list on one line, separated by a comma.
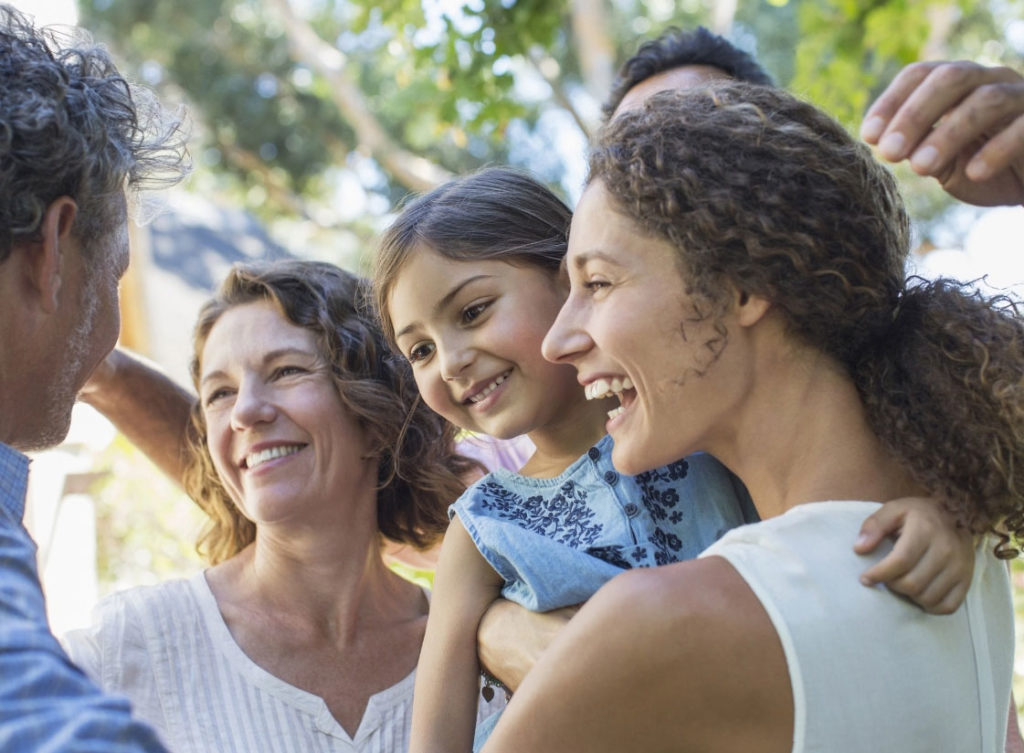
[(934, 111)]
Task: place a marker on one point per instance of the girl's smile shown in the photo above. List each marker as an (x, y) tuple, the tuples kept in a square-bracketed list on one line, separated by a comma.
[(473, 331)]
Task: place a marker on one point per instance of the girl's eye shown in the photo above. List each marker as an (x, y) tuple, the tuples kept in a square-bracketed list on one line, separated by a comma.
[(474, 310), (419, 352)]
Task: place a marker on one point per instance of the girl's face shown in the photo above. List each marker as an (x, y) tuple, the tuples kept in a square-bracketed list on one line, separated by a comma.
[(282, 442), (472, 331), (629, 327)]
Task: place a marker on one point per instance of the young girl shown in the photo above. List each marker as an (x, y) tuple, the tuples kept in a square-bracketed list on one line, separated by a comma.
[(467, 283)]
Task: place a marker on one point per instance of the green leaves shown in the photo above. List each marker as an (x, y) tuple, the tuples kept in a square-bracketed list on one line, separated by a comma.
[(447, 82)]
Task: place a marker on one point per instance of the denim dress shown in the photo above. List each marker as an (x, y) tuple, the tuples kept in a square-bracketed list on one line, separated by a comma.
[(555, 541)]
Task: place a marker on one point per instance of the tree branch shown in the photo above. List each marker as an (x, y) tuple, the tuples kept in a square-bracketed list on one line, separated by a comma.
[(540, 62), (252, 163), (411, 170)]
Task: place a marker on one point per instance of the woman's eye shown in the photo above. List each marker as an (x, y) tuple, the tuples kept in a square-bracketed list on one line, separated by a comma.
[(419, 352), (474, 310), (216, 395), (284, 371), (594, 285)]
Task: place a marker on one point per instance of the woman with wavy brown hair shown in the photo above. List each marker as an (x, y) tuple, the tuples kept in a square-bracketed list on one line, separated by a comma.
[(740, 259), (310, 449)]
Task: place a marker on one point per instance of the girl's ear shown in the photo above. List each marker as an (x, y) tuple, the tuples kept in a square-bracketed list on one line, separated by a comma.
[(749, 308), (48, 260)]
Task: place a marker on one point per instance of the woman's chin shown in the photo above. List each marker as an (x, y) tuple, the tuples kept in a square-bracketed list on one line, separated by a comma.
[(628, 460)]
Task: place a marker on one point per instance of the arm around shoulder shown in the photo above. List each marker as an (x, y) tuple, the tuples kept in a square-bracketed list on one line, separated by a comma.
[(675, 658), (146, 405)]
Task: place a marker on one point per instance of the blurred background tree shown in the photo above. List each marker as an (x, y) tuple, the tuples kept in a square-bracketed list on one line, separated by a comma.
[(330, 111)]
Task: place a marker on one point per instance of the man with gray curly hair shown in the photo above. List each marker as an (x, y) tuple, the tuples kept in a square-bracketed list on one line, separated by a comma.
[(75, 137)]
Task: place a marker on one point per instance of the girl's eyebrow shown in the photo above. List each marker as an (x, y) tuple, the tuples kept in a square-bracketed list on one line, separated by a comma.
[(443, 301)]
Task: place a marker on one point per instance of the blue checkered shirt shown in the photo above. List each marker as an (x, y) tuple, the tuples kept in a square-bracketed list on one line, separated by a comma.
[(46, 703)]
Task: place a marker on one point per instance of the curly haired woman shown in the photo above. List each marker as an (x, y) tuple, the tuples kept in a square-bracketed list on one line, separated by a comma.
[(740, 259)]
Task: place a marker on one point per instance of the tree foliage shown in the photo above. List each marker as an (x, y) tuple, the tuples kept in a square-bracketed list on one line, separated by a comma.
[(403, 93)]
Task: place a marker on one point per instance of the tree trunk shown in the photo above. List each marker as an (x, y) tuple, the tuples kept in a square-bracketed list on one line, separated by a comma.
[(594, 46)]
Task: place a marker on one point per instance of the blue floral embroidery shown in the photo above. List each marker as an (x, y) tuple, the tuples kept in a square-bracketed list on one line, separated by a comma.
[(660, 498), (611, 554), (566, 517)]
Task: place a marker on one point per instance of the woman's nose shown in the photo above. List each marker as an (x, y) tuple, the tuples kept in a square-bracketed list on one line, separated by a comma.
[(252, 405), (566, 340)]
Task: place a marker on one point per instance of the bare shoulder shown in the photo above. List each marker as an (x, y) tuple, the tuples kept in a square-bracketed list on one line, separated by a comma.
[(687, 648)]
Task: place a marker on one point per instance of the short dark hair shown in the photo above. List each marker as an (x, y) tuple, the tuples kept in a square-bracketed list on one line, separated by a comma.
[(70, 125), (675, 48)]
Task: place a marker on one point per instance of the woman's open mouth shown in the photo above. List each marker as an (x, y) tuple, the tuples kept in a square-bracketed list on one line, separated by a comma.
[(602, 388)]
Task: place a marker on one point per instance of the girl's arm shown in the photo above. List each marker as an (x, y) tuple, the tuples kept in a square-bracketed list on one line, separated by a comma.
[(448, 674), (932, 561)]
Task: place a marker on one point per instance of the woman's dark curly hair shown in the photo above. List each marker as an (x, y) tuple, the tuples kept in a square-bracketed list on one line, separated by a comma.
[(70, 125), (497, 213), (419, 473), (762, 193)]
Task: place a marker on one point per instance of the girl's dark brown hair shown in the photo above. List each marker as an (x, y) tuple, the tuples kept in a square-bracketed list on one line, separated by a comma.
[(497, 213), (419, 473), (762, 193)]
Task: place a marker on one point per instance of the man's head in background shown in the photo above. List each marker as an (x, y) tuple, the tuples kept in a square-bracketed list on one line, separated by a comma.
[(679, 59)]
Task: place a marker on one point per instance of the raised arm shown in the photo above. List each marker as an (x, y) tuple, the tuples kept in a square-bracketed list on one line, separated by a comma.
[(145, 405), (958, 122)]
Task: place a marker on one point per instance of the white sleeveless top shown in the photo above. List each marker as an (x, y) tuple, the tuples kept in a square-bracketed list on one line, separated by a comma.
[(169, 650), (869, 670)]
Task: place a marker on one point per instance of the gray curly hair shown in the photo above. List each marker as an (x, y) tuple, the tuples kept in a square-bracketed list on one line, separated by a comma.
[(71, 125)]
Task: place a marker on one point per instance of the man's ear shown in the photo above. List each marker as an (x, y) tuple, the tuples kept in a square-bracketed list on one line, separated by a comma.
[(750, 308), (47, 262)]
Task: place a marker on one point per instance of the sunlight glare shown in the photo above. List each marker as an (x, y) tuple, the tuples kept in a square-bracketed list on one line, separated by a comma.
[(49, 11)]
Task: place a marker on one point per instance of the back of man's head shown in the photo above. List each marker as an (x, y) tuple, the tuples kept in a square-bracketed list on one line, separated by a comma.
[(676, 48), (70, 125)]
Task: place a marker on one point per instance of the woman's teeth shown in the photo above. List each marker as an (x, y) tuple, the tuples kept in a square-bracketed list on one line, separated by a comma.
[(259, 458), (488, 389), (602, 388)]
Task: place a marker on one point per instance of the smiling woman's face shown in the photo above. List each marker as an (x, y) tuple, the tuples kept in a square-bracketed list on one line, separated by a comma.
[(279, 435), (628, 317)]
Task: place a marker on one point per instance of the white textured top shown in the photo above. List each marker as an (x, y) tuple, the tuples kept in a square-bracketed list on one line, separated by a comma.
[(169, 650), (869, 670)]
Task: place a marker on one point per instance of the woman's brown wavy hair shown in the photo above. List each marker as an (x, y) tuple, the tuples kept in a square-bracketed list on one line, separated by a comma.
[(419, 474), (763, 193)]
